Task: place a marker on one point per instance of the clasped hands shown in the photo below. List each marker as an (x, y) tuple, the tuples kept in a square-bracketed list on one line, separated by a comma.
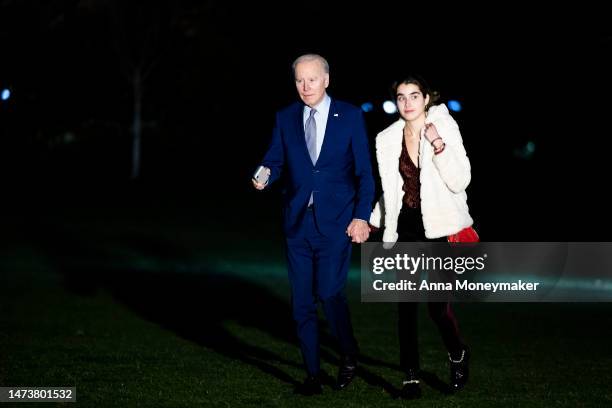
[(358, 230)]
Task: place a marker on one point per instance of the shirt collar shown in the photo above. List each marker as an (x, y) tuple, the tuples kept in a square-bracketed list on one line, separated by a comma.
[(322, 107)]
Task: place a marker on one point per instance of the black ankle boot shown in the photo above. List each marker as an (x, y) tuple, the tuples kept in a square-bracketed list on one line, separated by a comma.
[(411, 388), (459, 369)]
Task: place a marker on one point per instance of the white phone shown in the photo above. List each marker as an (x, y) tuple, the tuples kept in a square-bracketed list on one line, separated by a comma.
[(261, 175)]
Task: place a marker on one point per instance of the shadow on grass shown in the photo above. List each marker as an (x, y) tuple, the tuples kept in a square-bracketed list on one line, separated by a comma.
[(436, 383), (196, 306)]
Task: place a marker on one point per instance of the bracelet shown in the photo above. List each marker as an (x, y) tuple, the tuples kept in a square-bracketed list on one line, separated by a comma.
[(437, 138), (441, 149)]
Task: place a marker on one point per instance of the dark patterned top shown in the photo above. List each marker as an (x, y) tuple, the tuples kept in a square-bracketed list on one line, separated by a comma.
[(410, 174)]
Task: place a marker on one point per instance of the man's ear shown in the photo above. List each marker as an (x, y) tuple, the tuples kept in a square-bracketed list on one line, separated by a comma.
[(326, 80), (427, 100)]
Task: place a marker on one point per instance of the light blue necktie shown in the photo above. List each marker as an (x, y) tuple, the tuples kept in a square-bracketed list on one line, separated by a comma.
[(310, 131), (311, 136)]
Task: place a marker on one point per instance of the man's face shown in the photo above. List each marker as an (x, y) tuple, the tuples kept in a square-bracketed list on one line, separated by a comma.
[(311, 80)]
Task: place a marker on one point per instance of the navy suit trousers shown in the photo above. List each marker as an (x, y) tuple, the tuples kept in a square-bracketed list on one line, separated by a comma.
[(318, 268)]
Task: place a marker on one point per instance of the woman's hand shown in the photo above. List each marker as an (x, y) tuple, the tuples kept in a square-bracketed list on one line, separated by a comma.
[(431, 133)]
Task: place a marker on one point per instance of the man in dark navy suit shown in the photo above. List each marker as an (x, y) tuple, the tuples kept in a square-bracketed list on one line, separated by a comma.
[(321, 146)]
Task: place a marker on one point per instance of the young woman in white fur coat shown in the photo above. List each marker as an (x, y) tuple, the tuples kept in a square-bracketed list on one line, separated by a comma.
[(424, 172)]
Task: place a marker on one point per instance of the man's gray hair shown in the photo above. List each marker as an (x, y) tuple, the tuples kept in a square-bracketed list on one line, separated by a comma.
[(311, 57)]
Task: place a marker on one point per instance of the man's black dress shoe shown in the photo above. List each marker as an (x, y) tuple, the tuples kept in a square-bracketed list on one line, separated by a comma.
[(346, 372), (459, 369), (411, 388), (310, 386)]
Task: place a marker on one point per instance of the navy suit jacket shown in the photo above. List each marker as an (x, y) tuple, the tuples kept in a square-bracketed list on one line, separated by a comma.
[(341, 181)]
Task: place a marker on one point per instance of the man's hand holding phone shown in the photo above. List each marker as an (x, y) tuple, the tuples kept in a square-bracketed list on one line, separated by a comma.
[(261, 177)]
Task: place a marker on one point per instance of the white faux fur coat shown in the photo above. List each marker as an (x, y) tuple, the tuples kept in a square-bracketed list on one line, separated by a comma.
[(444, 178)]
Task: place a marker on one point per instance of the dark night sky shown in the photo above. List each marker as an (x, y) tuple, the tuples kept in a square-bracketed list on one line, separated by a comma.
[(222, 70)]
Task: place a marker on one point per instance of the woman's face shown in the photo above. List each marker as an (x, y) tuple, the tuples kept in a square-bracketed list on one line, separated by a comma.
[(410, 101)]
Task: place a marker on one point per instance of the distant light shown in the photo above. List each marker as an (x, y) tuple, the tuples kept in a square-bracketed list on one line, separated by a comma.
[(526, 152), (367, 107), (6, 93), (389, 107), (454, 105)]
